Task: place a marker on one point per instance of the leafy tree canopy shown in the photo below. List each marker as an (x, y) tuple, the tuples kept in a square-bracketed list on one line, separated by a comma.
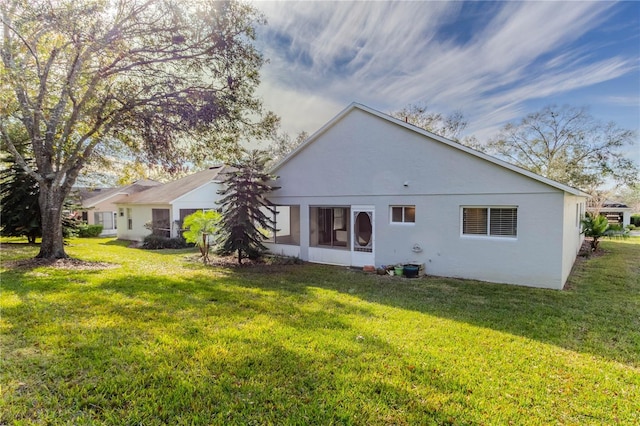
[(164, 81)]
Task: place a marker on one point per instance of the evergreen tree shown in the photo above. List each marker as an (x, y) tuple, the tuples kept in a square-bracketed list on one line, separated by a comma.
[(246, 212), (20, 210), (19, 206)]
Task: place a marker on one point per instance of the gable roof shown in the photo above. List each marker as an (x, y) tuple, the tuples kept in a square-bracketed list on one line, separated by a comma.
[(430, 135), (116, 193), (171, 191)]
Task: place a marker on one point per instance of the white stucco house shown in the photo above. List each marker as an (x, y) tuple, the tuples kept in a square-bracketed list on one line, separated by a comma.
[(368, 189), (99, 208), (615, 212), (167, 205)]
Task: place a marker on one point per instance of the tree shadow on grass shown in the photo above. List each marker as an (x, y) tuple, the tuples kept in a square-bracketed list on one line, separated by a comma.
[(153, 349), (597, 315)]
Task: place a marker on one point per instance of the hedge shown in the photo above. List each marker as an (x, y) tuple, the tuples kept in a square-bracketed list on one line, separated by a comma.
[(89, 231)]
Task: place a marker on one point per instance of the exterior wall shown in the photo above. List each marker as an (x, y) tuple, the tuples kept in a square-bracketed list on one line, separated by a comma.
[(533, 258), (574, 208), (365, 160), (204, 197), (140, 214), (366, 155), (284, 249)]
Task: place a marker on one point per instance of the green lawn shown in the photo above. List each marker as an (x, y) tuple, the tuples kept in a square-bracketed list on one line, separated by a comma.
[(161, 339)]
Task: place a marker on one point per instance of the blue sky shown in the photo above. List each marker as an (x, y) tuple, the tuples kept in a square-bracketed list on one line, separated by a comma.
[(494, 61)]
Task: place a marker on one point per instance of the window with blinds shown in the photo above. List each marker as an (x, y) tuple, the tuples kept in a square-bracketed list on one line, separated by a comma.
[(490, 221), (474, 221), (503, 222)]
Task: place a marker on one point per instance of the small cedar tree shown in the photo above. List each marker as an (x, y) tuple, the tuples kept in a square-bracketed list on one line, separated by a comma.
[(246, 212)]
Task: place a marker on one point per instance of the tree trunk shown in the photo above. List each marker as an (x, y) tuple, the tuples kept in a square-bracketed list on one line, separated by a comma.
[(51, 200)]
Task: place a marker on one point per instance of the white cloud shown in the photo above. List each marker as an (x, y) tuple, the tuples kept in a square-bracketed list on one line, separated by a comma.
[(323, 55)]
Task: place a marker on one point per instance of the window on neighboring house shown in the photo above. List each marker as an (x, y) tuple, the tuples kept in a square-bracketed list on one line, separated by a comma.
[(129, 219), (490, 221), (329, 226), (403, 214), (104, 218)]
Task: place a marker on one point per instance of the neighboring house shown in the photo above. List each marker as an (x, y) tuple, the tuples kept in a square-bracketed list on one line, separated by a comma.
[(164, 207), (99, 208), (368, 189), (616, 213)]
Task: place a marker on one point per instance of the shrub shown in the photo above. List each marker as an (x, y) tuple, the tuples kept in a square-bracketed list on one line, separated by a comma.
[(616, 230), (156, 242), (635, 219), (631, 227), (276, 259), (201, 226), (89, 231), (594, 226)]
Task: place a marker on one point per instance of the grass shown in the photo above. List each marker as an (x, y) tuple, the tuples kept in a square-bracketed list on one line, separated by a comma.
[(163, 340)]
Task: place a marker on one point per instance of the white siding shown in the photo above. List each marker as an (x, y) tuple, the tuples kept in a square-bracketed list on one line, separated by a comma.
[(140, 214)]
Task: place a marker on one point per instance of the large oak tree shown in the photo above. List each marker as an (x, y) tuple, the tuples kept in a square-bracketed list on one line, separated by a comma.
[(569, 145), (160, 80)]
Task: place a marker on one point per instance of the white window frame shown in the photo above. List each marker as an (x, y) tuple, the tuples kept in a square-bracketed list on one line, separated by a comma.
[(99, 219), (403, 207), (488, 224), (129, 219)]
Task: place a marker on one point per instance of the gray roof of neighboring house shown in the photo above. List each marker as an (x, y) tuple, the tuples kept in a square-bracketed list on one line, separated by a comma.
[(615, 204), (92, 198), (171, 191)]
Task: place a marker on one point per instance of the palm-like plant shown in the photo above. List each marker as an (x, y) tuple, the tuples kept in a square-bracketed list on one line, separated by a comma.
[(200, 226), (595, 227)]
